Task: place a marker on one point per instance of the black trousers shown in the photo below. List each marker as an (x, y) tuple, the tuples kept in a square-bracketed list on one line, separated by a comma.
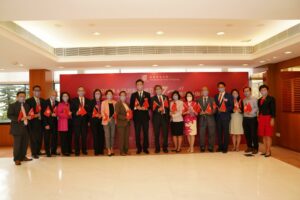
[(80, 129), (50, 140), (160, 123), (250, 130), (66, 141), (138, 125), (35, 136), (223, 133), (20, 146), (98, 136)]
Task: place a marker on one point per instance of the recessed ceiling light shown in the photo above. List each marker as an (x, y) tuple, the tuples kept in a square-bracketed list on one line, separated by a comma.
[(155, 65), (159, 33), (249, 40), (96, 33), (220, 33), (1, 69), (245, 64), (274, 57), (20, 65), (61, 67), (200, 64), (288, 52), (107, 66), (262, 61)]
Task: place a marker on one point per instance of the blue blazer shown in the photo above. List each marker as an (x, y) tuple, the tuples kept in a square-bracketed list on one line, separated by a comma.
[(229, 106)]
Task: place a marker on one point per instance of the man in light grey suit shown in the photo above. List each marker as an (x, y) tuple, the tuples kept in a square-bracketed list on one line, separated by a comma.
[(207, 120), (18, 114)]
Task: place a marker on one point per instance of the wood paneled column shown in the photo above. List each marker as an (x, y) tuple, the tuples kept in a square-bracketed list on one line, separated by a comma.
[(43, 78)]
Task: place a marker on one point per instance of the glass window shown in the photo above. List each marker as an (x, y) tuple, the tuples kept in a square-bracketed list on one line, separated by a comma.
[(8, 95)]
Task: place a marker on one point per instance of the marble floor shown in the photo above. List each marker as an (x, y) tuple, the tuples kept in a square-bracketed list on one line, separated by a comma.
[(210, 176)]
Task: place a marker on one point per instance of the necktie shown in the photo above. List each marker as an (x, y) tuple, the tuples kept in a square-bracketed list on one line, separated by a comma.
[(220, 97), (24, 113)]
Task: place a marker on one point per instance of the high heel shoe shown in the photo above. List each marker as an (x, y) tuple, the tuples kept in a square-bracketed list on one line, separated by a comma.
[(177, 151), (268, 155)]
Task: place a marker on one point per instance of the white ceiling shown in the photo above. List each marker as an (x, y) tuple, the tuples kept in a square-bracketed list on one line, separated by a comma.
[(142, 32)]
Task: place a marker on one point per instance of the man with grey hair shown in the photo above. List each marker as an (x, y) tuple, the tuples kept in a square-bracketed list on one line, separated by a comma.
[(207, 120)]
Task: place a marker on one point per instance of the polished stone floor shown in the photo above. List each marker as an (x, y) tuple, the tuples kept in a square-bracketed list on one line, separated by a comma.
[(210, 176)]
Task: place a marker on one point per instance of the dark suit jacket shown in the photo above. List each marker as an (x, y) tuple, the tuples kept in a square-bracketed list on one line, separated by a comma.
[(155, 100), (268, 107), (51, 121), (36, 122), (75, 103), (121, 114), (140, 115), (210, 101), (92, 106), (17, 127), (228, 99)]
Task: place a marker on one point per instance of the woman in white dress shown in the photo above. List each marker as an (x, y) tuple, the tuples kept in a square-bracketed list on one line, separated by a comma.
[(236, 122)]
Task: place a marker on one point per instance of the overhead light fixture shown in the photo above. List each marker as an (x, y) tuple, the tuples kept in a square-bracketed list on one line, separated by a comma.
[(96, 33), (1, 69), (61, 67), (262, 61), (159, 33), (155, 65), (220, 33), (200, 64), (288, 52), (245, 64), (107, 66), (274, 57)]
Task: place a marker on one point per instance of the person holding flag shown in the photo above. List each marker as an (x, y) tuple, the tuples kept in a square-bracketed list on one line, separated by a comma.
[(140, 103), (250, 109), (64, 125), (206, 120), (190, 112), (18, 114), (124, 115), (96, 123), (36, 130), (49, 120), (236, 122), (80, 107), (224, 103), (161, 110), (109, 121), (176, 109)]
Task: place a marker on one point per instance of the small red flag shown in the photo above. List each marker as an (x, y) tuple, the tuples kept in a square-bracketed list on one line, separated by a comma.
[(154, 105), (129, 114), (174, 107), (95, 113), (222, 108), (81, 111), (166, 103), (38, 108), (208, 109), (248, 108), (136, 103), (146, 103), (105, 117), (20, 115), (47, 112), (31, 113)]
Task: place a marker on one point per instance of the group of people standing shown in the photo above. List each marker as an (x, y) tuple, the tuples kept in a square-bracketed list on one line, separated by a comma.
[(225, 113)]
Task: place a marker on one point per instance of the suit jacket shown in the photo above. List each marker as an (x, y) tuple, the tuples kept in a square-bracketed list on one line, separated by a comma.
[(268, 107), (121, 114), (156, 101), (140, 115), (17, 127), (93, 105), (35, 122), (75, 103), (228, 99), (105, 111), (51, 121)]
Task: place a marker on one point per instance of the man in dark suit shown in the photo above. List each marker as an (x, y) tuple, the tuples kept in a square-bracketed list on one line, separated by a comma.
[(161, 111), (35, 124), (80, 107), (207, 120), (49, 120), (224, 103), (140, 103), (17, 113)]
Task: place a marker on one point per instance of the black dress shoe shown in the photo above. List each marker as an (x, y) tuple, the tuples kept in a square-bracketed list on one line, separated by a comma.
[(17, 162), (49, 155), (210, 150), (224, 151), (174, 150), (77, 154), (146, 151), (66, 154), (27, 159), (202, 149), (166, 151), (157, 151), (55, 154), (35, 156), (138, 151), (85, 153), (219, 150), (40, 153)]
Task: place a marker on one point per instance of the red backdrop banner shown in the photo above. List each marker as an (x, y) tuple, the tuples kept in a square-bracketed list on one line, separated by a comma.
[(192, 81)]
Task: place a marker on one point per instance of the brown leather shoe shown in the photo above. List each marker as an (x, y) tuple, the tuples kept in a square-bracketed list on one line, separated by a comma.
[(27, 159), (17, 162), (248, 150), (255, 151)]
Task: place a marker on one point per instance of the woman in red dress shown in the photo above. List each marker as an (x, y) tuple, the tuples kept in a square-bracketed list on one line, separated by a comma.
[(266, 116)]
